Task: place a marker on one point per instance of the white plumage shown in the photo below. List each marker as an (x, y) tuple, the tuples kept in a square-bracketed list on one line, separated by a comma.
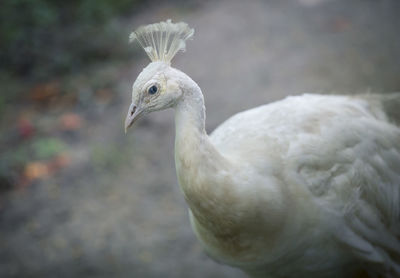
[(305, 187), (343, 155)]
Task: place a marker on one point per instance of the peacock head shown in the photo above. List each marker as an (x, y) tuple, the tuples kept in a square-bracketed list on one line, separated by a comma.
[(156, 87)]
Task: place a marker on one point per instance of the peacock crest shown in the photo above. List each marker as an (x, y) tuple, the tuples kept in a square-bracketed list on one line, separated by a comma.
[(162, 40)]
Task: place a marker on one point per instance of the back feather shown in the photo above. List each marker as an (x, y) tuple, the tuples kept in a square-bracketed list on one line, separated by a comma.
[(162, 40), (388, 103), (391, 105)]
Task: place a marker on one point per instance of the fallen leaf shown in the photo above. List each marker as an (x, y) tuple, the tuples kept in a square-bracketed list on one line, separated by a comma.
[(104, 95), (25, 127), (36, 170), (44, 91), (71, 121), (340, 24)]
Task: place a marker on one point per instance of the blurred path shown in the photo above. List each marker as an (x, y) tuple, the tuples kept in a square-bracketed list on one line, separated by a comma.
[(117, 210)]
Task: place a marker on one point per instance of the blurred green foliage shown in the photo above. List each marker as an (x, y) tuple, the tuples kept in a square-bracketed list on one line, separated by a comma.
[(109, 157), (47, 37), (45, 148)]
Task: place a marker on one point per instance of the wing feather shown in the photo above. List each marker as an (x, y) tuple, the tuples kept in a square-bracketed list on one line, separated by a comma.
[(345, 151), (358, 175)]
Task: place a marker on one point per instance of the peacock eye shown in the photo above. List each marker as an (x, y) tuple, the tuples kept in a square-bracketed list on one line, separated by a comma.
[(152, 90)]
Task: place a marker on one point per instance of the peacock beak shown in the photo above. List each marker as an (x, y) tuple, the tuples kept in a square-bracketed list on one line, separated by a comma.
[(134, 113)]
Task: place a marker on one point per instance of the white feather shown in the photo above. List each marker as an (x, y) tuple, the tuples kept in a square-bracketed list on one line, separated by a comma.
[(342, 150), (162, 40)]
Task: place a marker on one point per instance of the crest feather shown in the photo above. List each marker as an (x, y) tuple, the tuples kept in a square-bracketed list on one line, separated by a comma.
[(162, 40)]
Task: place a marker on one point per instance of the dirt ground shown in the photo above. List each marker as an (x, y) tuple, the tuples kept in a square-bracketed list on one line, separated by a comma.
[(114, 209)]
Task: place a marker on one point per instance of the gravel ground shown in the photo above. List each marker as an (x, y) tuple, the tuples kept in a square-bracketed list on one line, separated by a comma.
[(124, 215)]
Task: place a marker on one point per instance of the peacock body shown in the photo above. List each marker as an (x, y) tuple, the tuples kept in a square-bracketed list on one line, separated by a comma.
[(308, 186)]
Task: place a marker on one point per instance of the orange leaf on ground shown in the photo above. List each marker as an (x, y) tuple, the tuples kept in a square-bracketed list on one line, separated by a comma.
[(71, 121), (39, 170), (44, 91), (36, 170), (340, 24), (104, 95)]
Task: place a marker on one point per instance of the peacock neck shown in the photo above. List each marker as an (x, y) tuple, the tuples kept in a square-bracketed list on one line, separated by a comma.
[(197, 161), (209, 181), (190, 115)]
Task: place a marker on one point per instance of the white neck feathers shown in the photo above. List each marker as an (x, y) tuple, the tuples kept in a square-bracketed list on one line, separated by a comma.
[(197, 160)]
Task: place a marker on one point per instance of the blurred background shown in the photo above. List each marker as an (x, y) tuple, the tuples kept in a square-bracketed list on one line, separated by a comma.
[(78, 197)]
